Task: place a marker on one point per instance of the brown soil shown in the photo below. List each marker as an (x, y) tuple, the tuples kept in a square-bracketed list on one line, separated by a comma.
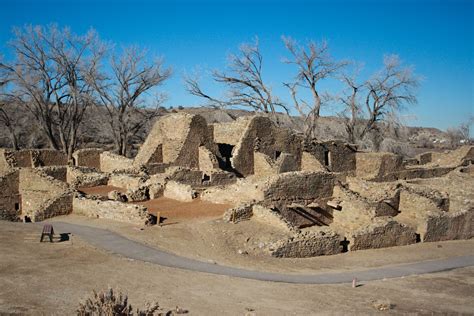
[(102, 190), (46, 279), (175, 211)]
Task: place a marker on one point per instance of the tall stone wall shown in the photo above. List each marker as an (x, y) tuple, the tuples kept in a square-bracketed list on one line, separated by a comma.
[(231, 133), (10, 199), (175, 140), (262, 135)]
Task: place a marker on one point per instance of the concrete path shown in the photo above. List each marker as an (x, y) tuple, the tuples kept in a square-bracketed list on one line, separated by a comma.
[(120, 245)]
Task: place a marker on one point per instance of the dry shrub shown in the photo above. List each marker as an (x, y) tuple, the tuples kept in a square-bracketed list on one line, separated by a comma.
[(110, 303)]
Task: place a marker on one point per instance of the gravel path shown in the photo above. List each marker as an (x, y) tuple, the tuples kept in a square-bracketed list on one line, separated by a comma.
[(120, 245)]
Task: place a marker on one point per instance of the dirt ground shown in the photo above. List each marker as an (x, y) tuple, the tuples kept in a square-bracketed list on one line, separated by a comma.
[(101, 190), (53, 278), (173, 211)]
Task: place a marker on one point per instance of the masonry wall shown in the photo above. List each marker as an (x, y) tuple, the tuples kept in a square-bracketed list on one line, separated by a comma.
[(336, 156), (36, 188), (89, 157), (231, 133), (10, 199), (262, 135), (57, 206), (299, 187), (110, 162), (48, 157), (118, 211), (376, 165), (175, 140)]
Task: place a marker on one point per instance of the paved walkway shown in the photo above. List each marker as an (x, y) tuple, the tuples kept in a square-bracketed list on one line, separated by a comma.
[(118, 244)]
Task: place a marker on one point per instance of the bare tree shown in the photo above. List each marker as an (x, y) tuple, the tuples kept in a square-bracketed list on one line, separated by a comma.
[(350, 98), (244, 82), (388, 91), (313, 64), (379, 99), (123, 93), (5, 117), (47, 78)]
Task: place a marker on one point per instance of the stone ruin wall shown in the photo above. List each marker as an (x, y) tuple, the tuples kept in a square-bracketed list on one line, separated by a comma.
[(118, 211), (10, 199), (336, 156), (299, 187), (110, 162), (88, 157), (263, 136), (36, 188)]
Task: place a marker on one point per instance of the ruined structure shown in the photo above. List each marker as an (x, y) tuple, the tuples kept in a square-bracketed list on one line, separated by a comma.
[(326, 196)]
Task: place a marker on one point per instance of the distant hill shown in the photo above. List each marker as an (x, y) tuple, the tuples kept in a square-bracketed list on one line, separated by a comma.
[(95, 130)]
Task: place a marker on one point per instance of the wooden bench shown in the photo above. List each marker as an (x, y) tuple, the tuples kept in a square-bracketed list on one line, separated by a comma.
[(47, 231)]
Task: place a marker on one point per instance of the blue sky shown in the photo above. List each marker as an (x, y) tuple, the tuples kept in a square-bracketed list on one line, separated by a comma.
[(437, 37)]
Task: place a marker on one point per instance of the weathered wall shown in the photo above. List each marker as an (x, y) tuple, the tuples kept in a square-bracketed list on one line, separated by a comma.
[(48, 157), (262, 135), (88, 157), (56, 172), (298, 187), (310, 163), (126, 181), (110, 162), (336, 156), (36, 188), (208, 162), (231, 133), (265, 166), (179, 191), (382, 234), (449, 226), (85, 177), (376, 165), (10, 199), (175, 139), (60, 205), (118, 211), (308, 245)]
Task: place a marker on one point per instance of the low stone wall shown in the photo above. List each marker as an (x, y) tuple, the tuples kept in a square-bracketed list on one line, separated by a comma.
[(82, 177), (270, 217), (61, 205), (222, 178), (382, 234), (56, 172), (110, 162), (185, 176), (125, 181), (298, 187), (308, 245), (118, 211), (179, 191), (48, 157), (376, 165), (415, 173), (88, 157), (238, 214), (449, 226)]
